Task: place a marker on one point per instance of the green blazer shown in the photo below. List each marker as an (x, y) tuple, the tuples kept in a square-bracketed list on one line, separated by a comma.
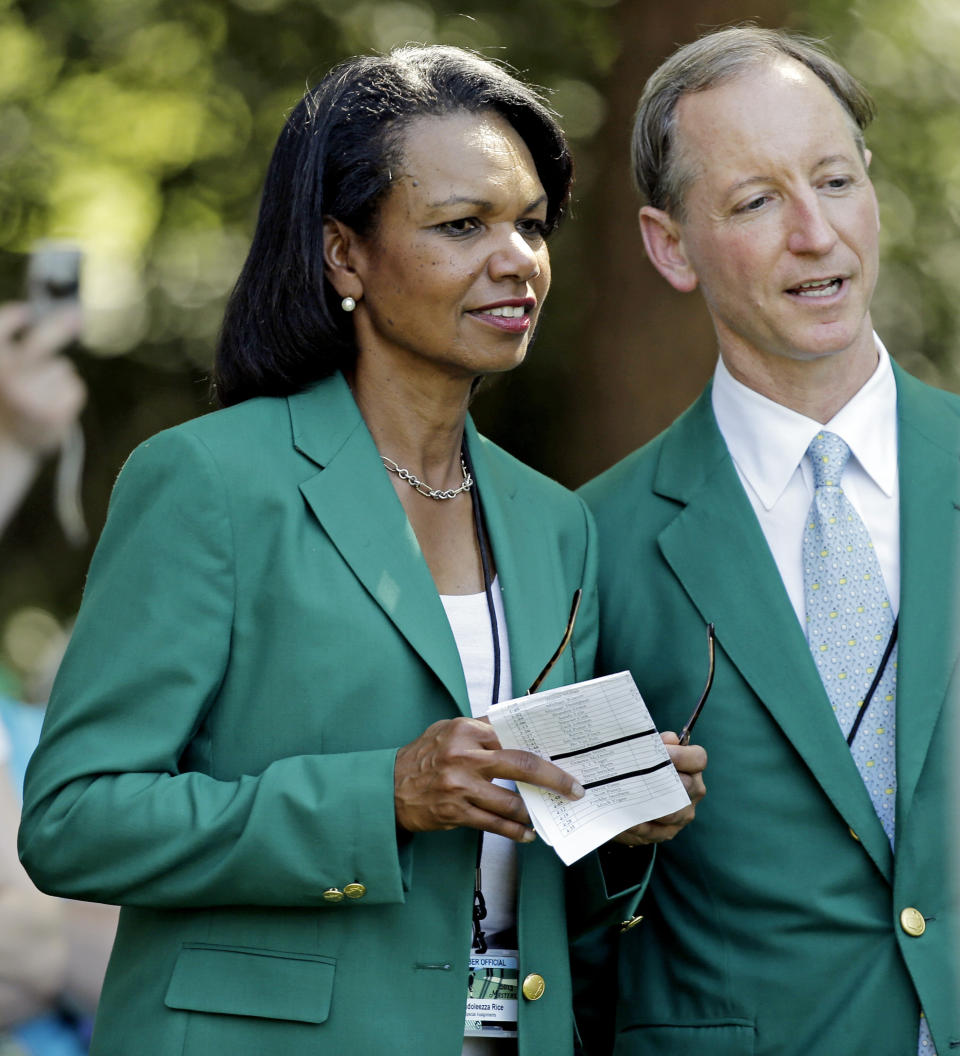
[(773, 922), (259, 634)]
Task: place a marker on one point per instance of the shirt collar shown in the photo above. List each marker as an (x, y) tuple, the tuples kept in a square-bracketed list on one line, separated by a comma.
[(867, 423)]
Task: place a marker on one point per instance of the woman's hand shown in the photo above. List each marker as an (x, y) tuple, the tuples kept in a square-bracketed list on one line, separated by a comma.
[(444, 779), (690, 761)]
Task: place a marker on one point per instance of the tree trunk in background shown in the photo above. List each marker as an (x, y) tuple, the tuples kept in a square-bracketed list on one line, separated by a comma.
[(646, 351)]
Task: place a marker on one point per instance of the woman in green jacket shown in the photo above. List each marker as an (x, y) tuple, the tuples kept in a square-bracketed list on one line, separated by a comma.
[(265, 741)]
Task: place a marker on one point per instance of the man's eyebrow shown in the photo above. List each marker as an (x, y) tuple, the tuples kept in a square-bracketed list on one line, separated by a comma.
[(750, 181), (832, 159)]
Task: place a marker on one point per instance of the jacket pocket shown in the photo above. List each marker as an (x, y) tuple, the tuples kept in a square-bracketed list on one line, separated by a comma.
[(729, 1038), (242, 981)]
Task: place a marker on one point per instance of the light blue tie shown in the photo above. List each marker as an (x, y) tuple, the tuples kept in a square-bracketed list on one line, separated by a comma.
[(849, 623)]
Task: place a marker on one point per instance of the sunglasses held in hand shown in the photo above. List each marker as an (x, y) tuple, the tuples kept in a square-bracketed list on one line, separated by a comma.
[(688, 729)]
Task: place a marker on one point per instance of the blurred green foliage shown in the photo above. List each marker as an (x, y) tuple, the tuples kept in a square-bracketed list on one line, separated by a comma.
[(142, 128), (905, 52)]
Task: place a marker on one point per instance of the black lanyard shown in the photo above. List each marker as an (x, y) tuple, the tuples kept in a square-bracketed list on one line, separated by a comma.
[(479, 904), (484, 544), (891, 641)]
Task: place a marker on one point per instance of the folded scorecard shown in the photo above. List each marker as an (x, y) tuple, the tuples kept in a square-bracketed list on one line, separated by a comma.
[(601, 733)]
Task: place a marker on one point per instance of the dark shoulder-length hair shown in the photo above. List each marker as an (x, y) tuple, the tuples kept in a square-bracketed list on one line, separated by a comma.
[(283, 326)]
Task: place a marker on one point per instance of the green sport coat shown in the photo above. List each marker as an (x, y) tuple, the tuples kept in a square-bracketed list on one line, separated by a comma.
[(772, 923), (259, 634)]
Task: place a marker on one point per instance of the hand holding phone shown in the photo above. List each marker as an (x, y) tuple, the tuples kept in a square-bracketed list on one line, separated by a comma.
[(41, 393)]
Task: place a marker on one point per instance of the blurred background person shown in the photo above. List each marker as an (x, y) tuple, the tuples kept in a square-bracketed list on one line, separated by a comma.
[(41, 396), (53, 952)]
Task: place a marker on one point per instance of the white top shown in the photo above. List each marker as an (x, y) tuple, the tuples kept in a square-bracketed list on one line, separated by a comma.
[(4, 746), (469, 619), (768, 444), (470, 622)]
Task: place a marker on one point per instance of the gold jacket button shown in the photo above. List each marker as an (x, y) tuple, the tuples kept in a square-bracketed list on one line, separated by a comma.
[(533, 987), (333, 894), (626, 925), (854, 835), (355, 890), (912, 922)]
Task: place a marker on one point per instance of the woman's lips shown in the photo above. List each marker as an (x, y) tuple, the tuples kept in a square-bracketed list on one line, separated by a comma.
[(512, 316)]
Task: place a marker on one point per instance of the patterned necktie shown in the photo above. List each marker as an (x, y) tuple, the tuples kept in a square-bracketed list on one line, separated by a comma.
[(849, 622)]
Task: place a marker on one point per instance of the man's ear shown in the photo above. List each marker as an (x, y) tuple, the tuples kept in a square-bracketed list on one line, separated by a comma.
[(340, 245), (664, 245)]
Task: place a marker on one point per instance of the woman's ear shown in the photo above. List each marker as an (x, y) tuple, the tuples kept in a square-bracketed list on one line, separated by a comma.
[(663, 241), (339, 253)]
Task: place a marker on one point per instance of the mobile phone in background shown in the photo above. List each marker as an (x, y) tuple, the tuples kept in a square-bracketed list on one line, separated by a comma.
[(53, 277), (53, 282)]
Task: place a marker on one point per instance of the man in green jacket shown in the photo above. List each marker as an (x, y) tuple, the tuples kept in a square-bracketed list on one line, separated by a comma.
[(808, 505)]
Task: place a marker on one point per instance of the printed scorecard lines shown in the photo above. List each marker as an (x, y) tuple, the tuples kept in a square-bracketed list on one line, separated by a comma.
[(600, 732)]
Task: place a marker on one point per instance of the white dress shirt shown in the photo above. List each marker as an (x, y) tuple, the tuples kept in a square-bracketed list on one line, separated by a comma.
[(768, 444)]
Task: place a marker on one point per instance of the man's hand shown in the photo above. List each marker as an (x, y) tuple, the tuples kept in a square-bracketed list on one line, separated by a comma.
[(690, 761), (444, 779)]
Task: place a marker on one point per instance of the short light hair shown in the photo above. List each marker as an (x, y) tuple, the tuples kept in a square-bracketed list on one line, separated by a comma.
[(660, 174)]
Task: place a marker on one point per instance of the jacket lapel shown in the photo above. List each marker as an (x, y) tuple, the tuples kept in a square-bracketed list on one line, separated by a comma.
[(717, 550), (533, 596), (929, 455), (360, 513)]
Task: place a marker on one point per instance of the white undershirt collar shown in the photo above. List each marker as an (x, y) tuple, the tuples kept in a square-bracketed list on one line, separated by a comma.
[(749, 422)]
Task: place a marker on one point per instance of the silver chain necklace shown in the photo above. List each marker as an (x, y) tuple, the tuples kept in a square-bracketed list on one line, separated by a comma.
[(423, 488)]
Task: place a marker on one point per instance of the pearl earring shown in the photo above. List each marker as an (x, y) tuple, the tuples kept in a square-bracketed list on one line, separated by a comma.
[(348, 304)]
